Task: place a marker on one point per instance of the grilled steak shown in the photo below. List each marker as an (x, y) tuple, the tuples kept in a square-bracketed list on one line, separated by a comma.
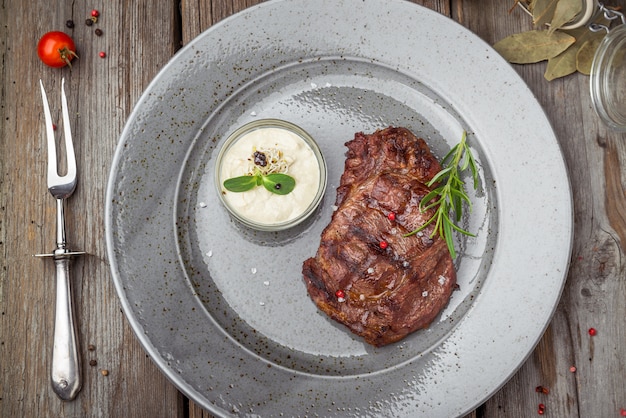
[(366, 274)]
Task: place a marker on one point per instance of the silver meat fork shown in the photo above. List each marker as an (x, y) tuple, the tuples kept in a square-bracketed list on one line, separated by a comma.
[(66, 373)]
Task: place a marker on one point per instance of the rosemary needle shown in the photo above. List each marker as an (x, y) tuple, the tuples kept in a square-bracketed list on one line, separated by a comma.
[(449, 195)]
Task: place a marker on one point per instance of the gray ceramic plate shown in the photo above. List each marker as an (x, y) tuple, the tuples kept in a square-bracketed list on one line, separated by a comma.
[(223, 310)]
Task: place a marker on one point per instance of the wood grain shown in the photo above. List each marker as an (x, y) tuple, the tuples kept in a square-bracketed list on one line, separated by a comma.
[(140, 36)]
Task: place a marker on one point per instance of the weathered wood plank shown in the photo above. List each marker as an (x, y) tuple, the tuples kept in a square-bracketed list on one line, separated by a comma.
[(101, 93)]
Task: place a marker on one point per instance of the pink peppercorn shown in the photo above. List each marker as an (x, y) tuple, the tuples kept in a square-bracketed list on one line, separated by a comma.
[(542, 409)]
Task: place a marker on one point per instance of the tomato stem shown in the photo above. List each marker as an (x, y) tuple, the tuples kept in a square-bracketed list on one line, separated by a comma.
[(67, 55)]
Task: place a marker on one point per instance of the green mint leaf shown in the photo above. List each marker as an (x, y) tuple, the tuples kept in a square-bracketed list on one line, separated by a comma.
[(279, 183), (240, 184)]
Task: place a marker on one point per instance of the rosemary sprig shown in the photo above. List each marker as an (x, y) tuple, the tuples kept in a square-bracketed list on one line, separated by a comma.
[(450, 194)]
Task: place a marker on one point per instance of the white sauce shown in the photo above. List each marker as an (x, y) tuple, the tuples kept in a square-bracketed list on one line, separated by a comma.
[(260, 205)]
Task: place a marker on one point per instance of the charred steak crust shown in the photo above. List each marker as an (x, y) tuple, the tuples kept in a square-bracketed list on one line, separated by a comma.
[(388, 290)]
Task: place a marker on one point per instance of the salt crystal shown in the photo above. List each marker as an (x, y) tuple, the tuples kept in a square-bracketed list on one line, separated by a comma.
[(253, 113), (262, 303), (441, 280), (341, 300), (334, 207), (405, 264), (313, 85), (424, 293), (370, 270), (327, 85), (266, 283), (202, 204), (253, 270), (209, 253), (362, 297)]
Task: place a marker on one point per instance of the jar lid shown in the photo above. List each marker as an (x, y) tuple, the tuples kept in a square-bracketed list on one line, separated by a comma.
[(608, 79), (587, 11)]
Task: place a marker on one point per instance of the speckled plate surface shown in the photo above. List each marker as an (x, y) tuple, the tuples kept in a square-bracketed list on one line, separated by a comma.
[(223, 310)]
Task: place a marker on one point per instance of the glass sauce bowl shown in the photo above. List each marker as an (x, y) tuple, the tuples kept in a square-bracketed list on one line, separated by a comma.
[(259, 208)]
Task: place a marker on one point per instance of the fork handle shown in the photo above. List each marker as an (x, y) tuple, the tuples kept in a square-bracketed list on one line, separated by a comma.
[(66, 373)]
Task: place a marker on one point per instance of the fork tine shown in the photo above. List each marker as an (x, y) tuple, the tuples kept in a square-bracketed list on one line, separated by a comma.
[(69, 144), (53, 176), (56, 183)]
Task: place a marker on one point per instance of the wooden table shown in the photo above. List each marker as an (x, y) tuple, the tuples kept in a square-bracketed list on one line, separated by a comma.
[(139, 37)]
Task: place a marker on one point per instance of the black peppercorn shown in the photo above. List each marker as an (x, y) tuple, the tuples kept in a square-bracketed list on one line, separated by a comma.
[(88, 22), (260, 159), (69, 24), (98, 32)]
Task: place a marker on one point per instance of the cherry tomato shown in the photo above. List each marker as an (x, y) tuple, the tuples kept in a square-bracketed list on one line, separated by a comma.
[(56, 49)]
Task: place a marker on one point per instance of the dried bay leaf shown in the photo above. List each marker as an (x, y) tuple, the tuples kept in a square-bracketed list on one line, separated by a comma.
[(561, 65), (533, 46), (586, 53), (543, 11), (565, 11), (566, 62), (565, 55), (589, 41)]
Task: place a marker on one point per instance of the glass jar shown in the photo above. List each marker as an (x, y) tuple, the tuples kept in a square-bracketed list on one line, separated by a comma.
[(264, 147), (608, 73)]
